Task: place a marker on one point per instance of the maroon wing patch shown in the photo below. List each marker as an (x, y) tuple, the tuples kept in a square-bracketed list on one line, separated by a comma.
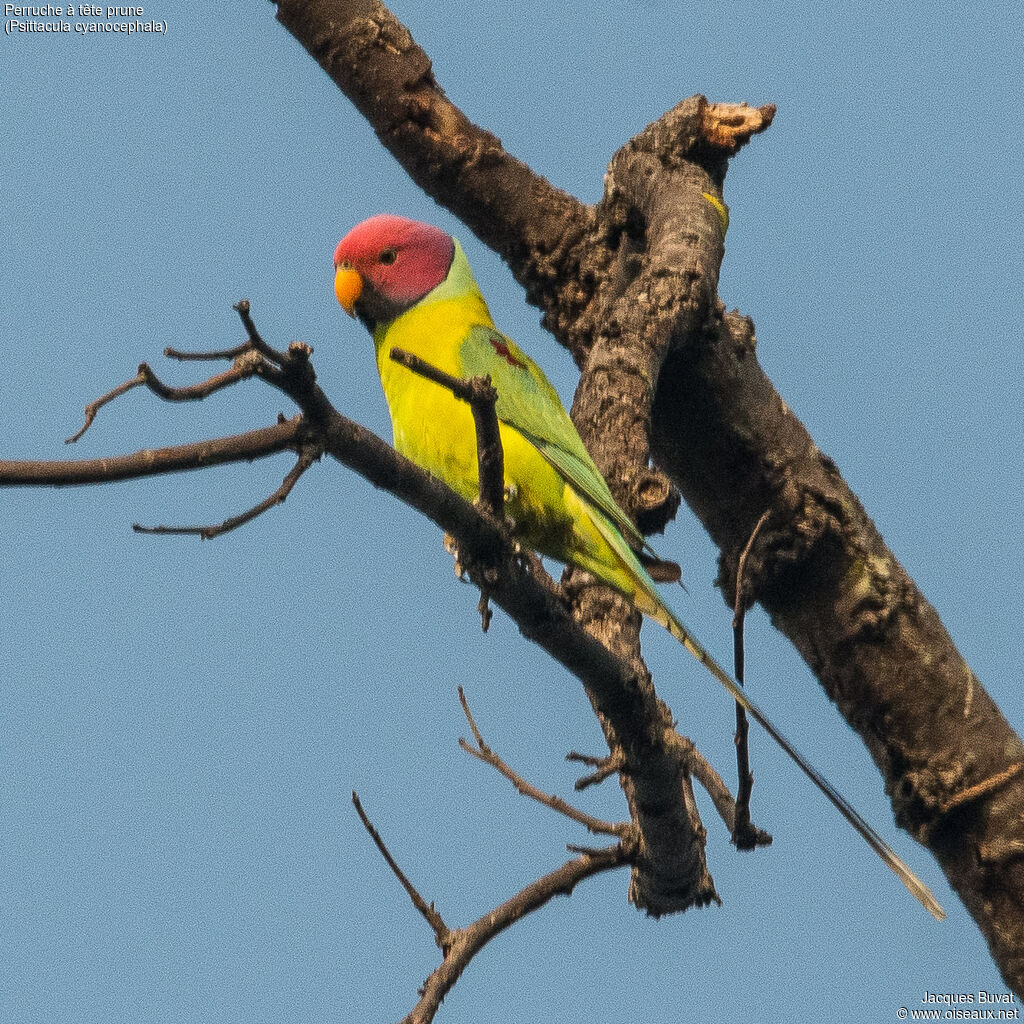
[(505, 352)]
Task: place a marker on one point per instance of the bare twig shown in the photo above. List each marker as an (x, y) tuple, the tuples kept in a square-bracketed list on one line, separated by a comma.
[(224, 353), (245, 366), (94, 407), (744, 834), (289, 371), (243, 308), (460, 945), (466, 942), (253, 444), (482, 398), (442, 934), (191, 393), (308, 455), (484, 753), (604, 767)]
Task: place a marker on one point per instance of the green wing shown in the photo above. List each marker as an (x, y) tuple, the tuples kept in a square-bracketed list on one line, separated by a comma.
[(528, 402)]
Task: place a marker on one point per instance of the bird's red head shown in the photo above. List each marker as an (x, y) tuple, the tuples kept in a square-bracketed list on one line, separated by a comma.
[(387, 264)]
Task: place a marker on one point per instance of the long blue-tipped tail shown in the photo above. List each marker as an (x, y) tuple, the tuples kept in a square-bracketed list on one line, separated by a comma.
[(661, 614), (630, 577)]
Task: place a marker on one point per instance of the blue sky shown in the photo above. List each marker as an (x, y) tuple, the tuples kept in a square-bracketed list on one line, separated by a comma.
[(182, 723)]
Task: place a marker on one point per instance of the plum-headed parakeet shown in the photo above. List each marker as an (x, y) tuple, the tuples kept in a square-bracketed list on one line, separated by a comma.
[(411, 285)]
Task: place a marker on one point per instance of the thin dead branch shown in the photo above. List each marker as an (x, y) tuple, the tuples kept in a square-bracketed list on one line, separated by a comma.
[(215, 354), (309, 454), (246, 366), (286, 435), (94, 407), (145, 376), (468, 941), (460, 945), (484, 753), (482, 398), (744, 834), (604, 767), (244, 310), (442, 934)]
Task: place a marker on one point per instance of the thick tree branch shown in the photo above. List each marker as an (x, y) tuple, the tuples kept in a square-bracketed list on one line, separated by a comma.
[(630, 286), (832, 586)]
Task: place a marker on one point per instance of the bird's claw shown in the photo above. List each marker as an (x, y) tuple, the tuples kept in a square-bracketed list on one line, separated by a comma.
[(451, 545)]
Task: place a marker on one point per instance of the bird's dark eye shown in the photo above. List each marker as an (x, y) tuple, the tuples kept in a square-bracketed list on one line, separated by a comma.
[(387, 257)]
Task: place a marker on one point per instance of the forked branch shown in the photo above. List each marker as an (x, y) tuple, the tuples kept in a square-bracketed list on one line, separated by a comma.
[(661, 761), (459, 945), (484, 753), (630, 287)]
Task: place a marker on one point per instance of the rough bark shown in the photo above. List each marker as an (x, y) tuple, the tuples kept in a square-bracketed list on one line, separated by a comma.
[(951, 763), (630, 287)]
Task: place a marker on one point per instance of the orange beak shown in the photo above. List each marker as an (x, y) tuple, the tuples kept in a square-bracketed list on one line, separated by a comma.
[(348, 286)]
